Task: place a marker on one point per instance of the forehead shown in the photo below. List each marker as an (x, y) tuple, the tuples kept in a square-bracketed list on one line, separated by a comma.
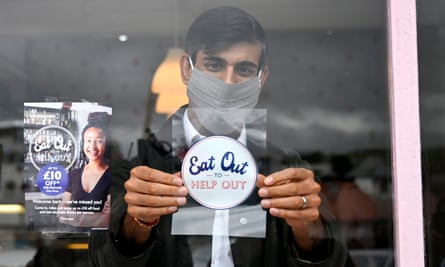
[(93, 131), (237, 53)]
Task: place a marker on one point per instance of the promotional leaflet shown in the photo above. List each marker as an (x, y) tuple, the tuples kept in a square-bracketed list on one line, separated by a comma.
[(66, 166)]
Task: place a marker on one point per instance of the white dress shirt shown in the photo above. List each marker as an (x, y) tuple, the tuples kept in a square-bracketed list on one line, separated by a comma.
[(221, 250)]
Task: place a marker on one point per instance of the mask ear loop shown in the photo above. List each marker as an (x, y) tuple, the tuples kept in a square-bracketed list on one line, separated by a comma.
[(191, 62), (259, 76)]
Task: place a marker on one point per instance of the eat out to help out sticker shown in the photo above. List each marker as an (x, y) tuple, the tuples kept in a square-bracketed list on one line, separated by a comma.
[(219, 172)]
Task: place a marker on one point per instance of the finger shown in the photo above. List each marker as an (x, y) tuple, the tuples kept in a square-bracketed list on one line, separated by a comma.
[(153, 188), (106, 210), (151, 201), (301, 188), (288, 175), (292, 203), (149, 174), (295, 216), (260, 180)]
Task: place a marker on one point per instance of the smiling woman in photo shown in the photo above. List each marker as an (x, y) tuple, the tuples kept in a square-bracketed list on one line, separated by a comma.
[(87, 198)]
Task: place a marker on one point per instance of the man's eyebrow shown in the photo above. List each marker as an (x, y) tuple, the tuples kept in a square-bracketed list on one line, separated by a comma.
[(245, 63), (214, 58)]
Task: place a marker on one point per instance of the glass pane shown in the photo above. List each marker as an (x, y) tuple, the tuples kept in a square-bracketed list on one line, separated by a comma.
[(431, 41), (326, 99)]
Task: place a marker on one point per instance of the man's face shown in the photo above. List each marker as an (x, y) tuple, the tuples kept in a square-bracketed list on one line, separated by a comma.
[(236, 64)]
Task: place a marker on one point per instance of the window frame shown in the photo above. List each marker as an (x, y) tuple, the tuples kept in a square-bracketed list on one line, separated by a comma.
[(403, 95)]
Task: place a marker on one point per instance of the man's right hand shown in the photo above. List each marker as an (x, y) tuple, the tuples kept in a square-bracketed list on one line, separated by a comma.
[(152, 193)]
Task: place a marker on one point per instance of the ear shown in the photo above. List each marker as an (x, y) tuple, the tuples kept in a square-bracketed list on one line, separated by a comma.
[(186, 69), (264, 75)]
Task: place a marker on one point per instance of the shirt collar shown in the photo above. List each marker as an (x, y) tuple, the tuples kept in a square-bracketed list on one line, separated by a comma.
[(192, 135)]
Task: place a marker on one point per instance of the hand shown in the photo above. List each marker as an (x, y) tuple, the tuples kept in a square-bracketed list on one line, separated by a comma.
[(282, 192), (107, 205), (152, 193)]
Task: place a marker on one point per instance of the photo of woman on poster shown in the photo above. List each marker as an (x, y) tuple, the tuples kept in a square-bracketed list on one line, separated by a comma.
[(86, 201)]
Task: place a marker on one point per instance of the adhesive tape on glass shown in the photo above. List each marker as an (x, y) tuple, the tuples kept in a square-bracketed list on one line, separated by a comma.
[(219, 172)]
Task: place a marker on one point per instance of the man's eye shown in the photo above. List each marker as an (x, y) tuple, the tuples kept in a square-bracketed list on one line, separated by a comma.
[(246, 71), (212, 66)]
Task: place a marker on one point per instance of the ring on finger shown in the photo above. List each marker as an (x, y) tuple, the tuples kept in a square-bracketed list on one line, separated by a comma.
[(303, 198)]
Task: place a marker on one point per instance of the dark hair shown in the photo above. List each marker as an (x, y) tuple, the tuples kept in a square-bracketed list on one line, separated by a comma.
[(100, 120), (221, 27)]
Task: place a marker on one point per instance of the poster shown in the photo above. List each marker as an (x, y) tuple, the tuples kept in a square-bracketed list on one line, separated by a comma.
[(66, 166)]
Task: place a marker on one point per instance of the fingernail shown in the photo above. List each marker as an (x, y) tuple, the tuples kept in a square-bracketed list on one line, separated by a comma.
[(265, 203), (172, 209), (274, 212), (181, 200), (262, 192), (182, 190), (177, 181), (268, 180)]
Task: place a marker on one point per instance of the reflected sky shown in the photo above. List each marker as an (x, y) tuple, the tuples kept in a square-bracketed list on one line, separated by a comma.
[(327, 90)]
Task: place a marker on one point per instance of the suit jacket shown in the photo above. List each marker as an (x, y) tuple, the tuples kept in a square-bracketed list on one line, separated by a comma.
[(167, 250)]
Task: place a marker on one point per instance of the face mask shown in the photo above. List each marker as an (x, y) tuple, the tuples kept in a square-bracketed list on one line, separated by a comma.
[(220, 107)]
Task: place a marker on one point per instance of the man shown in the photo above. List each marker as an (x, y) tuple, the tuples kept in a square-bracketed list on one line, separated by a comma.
[(224, 68)]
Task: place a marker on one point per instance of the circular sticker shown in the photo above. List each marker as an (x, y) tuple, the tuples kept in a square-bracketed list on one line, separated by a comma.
[(52, 179), (219, 172), (52, 144)]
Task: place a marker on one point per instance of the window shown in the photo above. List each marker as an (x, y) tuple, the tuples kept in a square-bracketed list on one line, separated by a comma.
[(431, 40), (327, 99)]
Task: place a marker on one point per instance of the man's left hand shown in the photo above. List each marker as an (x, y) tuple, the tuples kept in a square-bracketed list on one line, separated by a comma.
[(293, 194)]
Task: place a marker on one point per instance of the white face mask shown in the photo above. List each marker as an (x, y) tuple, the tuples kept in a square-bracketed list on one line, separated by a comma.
[(221, 107)]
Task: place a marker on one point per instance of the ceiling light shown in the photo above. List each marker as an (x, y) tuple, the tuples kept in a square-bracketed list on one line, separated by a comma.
[(12, 209), (123, 38)]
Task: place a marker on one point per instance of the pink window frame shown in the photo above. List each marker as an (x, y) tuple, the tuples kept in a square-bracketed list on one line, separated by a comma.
[(405, 127)]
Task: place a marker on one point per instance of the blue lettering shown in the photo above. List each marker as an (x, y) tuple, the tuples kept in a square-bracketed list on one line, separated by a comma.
[(196, 167), (228, 164)]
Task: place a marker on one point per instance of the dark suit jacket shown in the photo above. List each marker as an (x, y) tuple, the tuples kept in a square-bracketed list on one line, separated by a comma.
[(167, 250)]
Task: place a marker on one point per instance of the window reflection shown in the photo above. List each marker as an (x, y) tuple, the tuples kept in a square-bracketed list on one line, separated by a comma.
[(431, 40), (326, 93)]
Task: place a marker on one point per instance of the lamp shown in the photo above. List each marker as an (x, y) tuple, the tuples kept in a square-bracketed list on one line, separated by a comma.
[(167, 83)]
